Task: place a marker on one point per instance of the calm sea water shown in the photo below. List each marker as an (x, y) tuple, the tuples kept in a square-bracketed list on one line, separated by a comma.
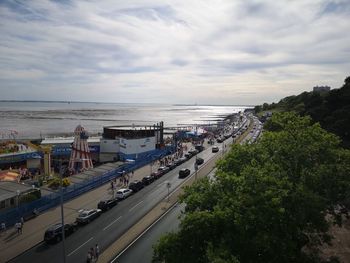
[(35, 119)]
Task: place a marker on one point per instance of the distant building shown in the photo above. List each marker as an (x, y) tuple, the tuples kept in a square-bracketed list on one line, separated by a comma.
[(123, 142), (321, 89)]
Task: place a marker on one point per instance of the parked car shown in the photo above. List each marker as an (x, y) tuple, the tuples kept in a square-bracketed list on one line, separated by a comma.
[(171, 165), (157, 174), (199, 148), (188, 156), (219, 140), (199, 161), (184, 173), (54, 233), (164, 169), (105, 205), (148, 179), (123, 193), (193, 152), (136, 185), (87, 215), (215, 149)]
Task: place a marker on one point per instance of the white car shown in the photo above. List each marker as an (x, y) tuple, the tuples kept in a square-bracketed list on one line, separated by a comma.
[(86, 216), (123, 193)]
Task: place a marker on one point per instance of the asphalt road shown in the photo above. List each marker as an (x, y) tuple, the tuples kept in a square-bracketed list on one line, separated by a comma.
[(141, 250), (112, 224)]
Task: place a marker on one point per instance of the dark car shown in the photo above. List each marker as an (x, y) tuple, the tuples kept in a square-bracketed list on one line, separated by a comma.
[(215, 149), (184, 173), (199, 161), (171, 165), (157, 174), (54, 233), (193, 152), (219, 140), (188, 156), (136, 185), (164, 169), (105, 205), (148, 179), (199, 148)]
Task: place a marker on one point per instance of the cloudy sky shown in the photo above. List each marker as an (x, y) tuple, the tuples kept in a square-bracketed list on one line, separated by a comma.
[(181, 51)]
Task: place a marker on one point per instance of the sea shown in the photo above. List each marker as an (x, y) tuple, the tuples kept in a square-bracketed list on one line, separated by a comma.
[(34, 120)]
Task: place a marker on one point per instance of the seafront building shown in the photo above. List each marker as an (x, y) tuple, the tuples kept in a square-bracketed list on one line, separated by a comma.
[(117, 143)]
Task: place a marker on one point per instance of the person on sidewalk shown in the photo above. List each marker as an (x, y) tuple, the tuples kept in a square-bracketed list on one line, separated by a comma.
[(3, 227), (20, 227), (17, 226), (93, 256), (97, 251), (89, 257)]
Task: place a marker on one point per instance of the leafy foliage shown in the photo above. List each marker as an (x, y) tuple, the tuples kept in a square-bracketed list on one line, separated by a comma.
[(331, 110), (269, 200)]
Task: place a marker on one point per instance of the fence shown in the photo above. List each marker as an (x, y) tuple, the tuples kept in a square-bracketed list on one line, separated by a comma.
[(11, 216)]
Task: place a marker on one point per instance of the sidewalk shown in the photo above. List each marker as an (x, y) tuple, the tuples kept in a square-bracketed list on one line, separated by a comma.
[(13, 244)]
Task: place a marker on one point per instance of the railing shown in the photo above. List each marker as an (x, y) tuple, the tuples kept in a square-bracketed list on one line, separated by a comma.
[(28, 210)]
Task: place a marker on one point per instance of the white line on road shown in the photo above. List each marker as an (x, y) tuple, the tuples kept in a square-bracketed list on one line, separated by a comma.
[(75, 250), (135, 206), (144, 232), (112, 223)]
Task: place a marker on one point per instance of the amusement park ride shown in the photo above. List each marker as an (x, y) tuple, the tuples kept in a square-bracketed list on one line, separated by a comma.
[(80, 157)]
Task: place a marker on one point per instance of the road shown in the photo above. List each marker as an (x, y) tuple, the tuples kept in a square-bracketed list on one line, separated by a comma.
[(141, 250)]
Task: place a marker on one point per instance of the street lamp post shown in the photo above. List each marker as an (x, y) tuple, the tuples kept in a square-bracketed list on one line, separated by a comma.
[(196, 168), (62, 215)]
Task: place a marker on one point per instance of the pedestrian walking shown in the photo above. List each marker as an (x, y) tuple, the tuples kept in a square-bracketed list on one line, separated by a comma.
[(20, 227), (3, 227), (92, 252), (97, 251), (89, 257), (17, 226)]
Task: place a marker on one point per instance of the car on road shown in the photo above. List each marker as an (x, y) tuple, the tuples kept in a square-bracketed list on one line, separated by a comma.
[(123, 193), (215, 149), (193, 152), (157, 175), (199, 161), (219, 140), (184, 173), (171, 165), (199, 148), (136, 185), (87, 215), (105, 205), (188, 156), (148, 179), (164, 169), (54, 233)]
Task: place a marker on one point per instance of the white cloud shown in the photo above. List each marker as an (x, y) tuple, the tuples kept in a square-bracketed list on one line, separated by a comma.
[(229, 52)]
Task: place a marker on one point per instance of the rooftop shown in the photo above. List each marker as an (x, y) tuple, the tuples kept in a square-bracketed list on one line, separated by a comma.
[(67, 140), (9, 189)]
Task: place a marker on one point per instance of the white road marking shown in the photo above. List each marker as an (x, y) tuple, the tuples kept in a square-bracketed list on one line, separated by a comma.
[(135, 206), (112, 223), (144, 232), (75, 250)]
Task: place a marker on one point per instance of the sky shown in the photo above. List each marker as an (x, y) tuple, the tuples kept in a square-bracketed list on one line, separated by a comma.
[(157, 51)]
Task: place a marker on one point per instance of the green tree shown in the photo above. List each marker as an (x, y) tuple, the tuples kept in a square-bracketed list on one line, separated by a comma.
[(268, 202)]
